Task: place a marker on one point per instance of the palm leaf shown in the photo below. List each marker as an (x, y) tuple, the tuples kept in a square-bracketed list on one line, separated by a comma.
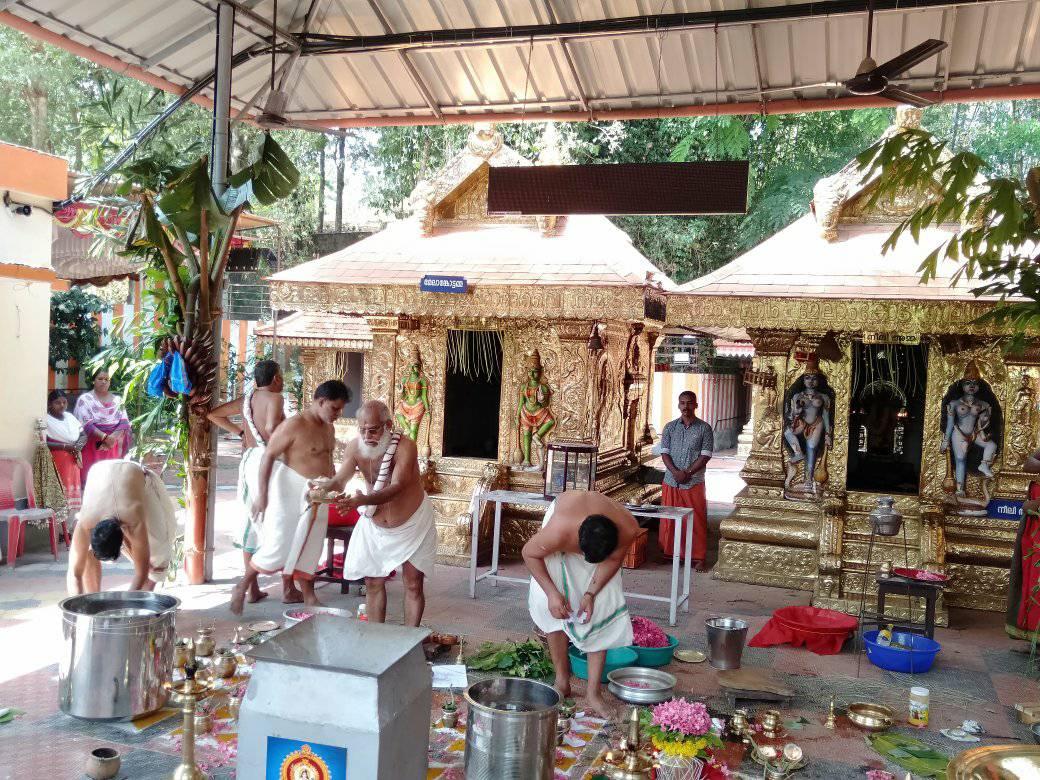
[(185, 198)]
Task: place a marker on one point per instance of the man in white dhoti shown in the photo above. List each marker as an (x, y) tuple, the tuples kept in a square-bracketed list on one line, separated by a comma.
[(262, 410), (125, 506), (293, 530), (396, 527), (576, 594)]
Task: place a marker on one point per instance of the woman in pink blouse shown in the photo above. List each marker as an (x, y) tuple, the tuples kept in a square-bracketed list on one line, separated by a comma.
[(105, 423)]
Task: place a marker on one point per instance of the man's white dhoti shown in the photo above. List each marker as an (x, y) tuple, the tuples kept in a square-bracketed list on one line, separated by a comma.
[(293, 535), (248, 538), (609, 625), (375, 551), (161, 521)]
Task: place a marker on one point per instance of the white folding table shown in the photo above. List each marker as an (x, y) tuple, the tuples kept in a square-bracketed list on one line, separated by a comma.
[(680, 515)]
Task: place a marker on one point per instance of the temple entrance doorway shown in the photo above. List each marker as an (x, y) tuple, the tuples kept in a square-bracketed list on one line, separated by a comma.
[(472, 394), (886, 418)]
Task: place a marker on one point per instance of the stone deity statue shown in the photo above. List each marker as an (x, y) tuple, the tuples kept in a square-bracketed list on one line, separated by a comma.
[(970, 422), (414, 401), (808, 431), (534, 418)]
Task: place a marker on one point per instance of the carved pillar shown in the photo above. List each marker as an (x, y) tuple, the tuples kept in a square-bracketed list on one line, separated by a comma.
[(764, 465), (381, 361), (651, 360), (832, 531), (573, 402), (308, 359), (1023, 419)]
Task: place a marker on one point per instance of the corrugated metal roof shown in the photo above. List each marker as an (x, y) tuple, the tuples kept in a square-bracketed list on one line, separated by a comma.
[(992, 43)]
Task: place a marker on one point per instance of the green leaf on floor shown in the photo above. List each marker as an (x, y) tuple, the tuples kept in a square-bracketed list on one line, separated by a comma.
[(911, 754)]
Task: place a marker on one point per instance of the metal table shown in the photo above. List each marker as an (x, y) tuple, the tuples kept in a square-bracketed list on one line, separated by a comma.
[(680, 515)]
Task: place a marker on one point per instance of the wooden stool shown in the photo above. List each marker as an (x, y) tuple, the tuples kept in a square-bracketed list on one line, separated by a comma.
[(339, 530), (899, 586)]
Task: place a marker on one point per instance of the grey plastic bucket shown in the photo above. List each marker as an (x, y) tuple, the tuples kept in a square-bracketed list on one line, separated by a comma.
[(726, 638)]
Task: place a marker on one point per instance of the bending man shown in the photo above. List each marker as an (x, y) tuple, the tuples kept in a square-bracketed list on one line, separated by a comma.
[(293, 533), (396, 525), (262, 410), (576, 594), (124, 506)]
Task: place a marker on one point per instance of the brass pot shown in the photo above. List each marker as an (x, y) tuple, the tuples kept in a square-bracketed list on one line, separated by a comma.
[(224, 664), (204, 644), (183, 652), (203, 723), (233, 705), (871, 717), (103, 764), (449, 718), (772, 723)]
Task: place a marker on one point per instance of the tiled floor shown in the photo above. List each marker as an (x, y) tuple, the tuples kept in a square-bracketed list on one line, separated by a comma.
[(976, 676)]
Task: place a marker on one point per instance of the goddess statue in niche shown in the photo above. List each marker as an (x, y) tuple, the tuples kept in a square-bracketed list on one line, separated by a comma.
[(808, 433), (972, 426), (534, 418), (414, 402)]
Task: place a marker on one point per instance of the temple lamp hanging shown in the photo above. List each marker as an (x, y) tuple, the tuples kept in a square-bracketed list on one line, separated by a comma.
[(569, 465)]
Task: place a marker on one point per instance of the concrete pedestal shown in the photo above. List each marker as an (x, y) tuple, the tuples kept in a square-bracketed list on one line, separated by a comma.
[(353, 695)]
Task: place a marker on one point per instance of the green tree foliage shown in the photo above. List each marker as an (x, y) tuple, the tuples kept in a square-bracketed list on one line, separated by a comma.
[(75, 335)]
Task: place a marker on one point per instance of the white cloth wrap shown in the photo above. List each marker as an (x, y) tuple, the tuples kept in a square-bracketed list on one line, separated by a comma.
[(161, 523), (67, 430), (385, 469), (610, 625), (248, 538), (290, 542), (375, 551)]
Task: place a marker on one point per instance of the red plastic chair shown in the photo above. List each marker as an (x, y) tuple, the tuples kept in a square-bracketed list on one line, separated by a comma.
[(16, 518)]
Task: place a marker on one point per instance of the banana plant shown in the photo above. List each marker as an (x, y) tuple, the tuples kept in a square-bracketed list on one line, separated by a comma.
[(184, 229)]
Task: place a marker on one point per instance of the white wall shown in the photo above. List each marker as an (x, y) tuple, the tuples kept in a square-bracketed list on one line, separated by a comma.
[(24, 330)]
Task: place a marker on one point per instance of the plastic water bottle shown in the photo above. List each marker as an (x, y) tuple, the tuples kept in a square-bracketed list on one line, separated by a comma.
[(362, 614)]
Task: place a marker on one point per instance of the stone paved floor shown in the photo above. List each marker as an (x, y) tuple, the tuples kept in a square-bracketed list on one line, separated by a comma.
[(976, 676)]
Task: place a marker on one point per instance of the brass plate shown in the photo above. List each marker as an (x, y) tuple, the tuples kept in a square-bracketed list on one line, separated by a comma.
[(996, 762), (690, 656)]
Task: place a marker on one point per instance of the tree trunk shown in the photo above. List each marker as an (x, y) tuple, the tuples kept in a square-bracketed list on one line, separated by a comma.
[(341, 146), (35, 93), (321, 189)]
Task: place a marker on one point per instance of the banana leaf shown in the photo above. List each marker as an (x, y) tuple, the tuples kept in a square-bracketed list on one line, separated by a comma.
[(185, 198), (272, 177), (911, 754)]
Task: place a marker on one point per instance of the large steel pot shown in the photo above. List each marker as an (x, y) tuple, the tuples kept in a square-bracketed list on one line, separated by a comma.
[(511, 730), (118, 652)]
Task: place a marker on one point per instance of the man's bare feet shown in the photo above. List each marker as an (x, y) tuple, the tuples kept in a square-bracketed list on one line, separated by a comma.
[(563, 687), (238, 597), (311, 600), (700, 566), (596, 705), (294, 596), (256, 595)]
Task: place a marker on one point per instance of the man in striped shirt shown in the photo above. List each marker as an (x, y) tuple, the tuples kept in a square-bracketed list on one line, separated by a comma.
[(687, 444)]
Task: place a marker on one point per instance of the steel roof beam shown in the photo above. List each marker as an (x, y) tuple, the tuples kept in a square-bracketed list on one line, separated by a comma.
[(566, 52), (315, 43), (413, 72)]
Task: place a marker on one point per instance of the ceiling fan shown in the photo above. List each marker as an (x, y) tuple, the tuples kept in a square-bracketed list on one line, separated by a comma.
[(873, 79), (272, 116)]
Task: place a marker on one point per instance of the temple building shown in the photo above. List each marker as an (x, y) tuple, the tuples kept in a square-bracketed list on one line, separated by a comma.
[(487, 336), (867, 383)]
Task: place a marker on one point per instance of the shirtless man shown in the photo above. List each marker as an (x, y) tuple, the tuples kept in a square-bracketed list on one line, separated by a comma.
[(396, 524), (125, 506), (292, 536), (576, 593), (262, 410)]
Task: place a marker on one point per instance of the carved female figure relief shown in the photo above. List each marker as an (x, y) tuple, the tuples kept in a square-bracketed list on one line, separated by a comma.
[(808, 433), (534, 418), (972, 425), (414, 401)]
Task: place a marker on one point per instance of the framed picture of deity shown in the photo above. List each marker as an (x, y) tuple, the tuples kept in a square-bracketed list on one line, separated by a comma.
[(292, 759)]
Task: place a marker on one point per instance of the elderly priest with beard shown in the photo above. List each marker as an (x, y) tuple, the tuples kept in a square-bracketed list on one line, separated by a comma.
[(396, 526)]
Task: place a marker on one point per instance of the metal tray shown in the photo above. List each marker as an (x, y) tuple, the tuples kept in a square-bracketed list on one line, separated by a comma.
[(660, 686)]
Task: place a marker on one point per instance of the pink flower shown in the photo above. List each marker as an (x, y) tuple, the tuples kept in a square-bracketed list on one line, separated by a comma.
[(879, 774), (689, 718), (646, 633)]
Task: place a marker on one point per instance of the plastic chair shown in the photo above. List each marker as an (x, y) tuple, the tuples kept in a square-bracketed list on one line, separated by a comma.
[(18, 518)]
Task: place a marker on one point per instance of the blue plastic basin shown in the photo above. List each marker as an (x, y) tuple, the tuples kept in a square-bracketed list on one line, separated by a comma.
[(656, 656), (917, 659), (618, 658)]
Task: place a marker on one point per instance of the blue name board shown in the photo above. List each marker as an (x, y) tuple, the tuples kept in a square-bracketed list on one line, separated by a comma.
[(1004, 509), (443, 284)]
